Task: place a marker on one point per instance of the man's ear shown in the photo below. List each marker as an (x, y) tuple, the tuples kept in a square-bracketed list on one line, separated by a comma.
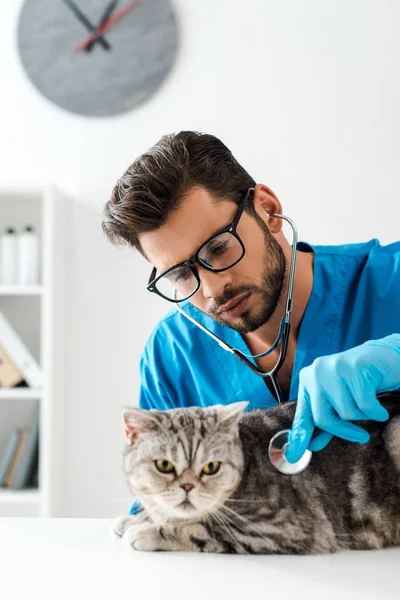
[(136, 420), (267, 204)]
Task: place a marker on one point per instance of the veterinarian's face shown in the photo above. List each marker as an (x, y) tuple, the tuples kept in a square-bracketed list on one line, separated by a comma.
[(243, 297)]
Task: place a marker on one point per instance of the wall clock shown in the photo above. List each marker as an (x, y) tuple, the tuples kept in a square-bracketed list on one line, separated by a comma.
[(97, 57)]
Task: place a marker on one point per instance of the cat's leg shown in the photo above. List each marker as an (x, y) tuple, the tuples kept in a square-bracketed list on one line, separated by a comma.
[(121, 524), (180, 538)]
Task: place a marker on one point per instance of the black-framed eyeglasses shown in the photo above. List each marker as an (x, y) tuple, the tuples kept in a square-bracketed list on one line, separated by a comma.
[(219, 252)]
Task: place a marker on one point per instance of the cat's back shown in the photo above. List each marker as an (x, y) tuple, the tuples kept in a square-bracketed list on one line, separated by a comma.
[(356, 487), (256, 428)]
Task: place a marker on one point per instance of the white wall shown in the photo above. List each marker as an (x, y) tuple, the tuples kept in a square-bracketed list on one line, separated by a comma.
[(306, 94)]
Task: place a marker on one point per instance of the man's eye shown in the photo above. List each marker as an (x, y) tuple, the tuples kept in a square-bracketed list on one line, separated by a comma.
[(217, 250), (177, 275), (181, 275)]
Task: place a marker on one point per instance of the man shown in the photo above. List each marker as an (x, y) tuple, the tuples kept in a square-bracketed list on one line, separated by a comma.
[(344, 344)]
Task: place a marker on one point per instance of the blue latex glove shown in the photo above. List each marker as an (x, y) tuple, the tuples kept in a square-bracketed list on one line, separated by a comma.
[(135, 508), (342, 387)]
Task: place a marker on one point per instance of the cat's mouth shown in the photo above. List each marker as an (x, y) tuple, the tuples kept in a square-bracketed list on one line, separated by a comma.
[(186, 504)]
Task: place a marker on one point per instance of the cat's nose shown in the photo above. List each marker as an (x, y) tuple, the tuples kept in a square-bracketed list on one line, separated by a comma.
[(187, 487)]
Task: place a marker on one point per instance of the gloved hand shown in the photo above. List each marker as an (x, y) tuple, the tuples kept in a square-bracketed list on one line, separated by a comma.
[(342, 387)]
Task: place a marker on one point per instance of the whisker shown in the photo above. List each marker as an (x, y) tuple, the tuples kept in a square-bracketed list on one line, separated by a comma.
[(245, 501), (225, 525), (244, 520)]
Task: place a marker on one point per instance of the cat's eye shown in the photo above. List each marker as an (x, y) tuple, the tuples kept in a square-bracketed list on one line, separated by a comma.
[(211, 468), (164, 466)]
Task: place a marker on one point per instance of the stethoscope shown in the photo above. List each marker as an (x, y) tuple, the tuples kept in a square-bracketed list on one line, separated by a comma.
[(279, 442)]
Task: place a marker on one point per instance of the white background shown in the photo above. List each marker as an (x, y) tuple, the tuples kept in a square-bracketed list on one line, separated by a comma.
[(307, 96)]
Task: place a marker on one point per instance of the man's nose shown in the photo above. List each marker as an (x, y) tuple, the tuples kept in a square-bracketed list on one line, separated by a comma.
[(187, 487), (213, 284)]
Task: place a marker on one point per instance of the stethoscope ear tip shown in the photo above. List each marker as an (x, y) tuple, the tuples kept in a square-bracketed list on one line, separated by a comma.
[(276, 454)]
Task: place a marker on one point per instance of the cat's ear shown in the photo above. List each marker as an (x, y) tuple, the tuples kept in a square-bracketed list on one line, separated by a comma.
[(230, 414), (136, 420)]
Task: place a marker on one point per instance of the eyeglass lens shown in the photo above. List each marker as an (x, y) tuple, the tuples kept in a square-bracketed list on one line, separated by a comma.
[(221, 252)]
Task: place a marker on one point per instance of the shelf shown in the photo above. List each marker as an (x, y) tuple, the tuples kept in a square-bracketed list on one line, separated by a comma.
[(20, 496), (19, 393), (21, 290), (39, 315)]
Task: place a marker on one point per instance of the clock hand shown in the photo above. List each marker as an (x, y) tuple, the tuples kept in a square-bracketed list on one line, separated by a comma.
[(111, 6), (85, 21), (109, 23)]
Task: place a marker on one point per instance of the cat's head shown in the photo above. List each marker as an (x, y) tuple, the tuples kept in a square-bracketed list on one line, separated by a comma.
[(183, 463)]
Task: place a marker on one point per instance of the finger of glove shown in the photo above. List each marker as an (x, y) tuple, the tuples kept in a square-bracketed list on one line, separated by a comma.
[(342, 402), (302, 429), (320, 441), (384, 357), (332, 412), (364, 393), (343, 429)]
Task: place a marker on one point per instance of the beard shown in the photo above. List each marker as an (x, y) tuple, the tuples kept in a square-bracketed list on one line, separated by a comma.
[(270, 290)]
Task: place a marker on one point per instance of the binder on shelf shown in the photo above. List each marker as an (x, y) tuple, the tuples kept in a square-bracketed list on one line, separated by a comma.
[(19, 354), (10, 376), (8, 455), (22, 433), (27, 459)]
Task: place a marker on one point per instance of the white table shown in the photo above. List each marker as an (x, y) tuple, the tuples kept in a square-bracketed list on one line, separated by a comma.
[(81, 558)]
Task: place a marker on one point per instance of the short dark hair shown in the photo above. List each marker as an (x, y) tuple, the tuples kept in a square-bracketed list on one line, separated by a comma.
[(157, 181)]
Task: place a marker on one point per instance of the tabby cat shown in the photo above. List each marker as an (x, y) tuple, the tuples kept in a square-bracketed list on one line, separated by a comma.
[(204, 480)]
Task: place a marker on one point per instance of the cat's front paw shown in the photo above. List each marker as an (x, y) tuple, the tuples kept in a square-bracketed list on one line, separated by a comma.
[(145, 538), (122, 524)]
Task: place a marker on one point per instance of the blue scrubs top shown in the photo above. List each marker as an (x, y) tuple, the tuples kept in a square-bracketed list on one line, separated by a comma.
[(355, 298)]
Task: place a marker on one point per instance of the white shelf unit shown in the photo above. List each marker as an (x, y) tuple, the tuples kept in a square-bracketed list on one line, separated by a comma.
[(23, 290), (37, 314)]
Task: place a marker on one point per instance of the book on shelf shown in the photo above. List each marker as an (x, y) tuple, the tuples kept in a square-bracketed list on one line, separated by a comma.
[(17, 354), (9, 478), (8, 454), (20, 457), (10, 376)]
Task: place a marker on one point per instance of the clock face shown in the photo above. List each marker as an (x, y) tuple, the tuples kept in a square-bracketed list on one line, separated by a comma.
[(114, 70)]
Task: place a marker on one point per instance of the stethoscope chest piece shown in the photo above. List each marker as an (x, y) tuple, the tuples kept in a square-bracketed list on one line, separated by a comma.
[(276, 454)]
